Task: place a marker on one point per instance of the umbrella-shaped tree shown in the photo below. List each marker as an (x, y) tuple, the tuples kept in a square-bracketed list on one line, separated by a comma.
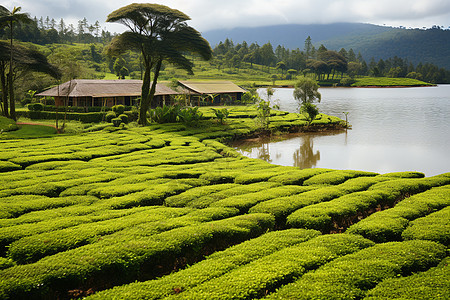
[(160, 34)]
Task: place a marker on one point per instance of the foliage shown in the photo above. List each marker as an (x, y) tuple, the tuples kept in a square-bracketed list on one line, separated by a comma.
[(221, 114), (160, 34), (165, 114), (109, 116), (310, 111), (190, 116), (118, 109), (169, 211)]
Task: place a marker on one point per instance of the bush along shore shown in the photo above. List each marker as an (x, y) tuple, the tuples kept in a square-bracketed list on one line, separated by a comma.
[(170, 211)]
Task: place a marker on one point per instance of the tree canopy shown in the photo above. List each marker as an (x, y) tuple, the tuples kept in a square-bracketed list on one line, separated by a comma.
[(160, 34)]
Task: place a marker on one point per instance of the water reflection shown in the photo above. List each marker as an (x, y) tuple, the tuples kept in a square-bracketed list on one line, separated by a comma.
[(392, 130), (304, 157), (290, 150)]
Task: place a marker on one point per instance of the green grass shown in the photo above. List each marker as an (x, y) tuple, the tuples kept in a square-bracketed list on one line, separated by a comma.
[(30, 131), (385, 81)]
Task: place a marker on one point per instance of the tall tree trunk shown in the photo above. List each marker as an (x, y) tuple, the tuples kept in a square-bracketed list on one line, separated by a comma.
[(145, 97), (4, 90), (155, 81), (12, 104)]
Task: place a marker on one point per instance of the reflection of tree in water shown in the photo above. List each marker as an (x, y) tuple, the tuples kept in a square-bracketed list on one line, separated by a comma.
[(264, 152), (304, 157)]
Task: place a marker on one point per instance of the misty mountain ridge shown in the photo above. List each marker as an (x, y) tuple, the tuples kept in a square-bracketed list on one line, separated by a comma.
[(373, 41)]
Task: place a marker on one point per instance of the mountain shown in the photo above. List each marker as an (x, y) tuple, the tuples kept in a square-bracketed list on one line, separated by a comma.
[(417, 45)]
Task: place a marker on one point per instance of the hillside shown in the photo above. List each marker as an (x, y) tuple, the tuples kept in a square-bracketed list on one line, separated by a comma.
[(426, 46)]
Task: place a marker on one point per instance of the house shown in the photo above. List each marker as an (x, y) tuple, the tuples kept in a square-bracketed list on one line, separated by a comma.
[(213, 92), (87, 92)]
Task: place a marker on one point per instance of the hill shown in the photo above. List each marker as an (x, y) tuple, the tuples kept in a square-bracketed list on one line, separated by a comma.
[(426, 46)]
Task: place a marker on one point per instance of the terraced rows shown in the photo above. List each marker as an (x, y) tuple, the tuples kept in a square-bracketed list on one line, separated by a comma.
[(168, 212)]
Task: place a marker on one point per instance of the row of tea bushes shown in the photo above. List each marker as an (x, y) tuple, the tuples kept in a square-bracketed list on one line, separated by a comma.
[(434, 227), (37, 246), (431, 284), (342, 212), (263, 275), (121, 258), (351, 276), (283, 206), (260, 262), (55, 219), (388, 225)]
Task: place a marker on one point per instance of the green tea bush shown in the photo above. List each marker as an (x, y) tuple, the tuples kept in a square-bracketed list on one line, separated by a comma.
[(7, 166), (351, 276), (283, 206), (184, 198), (124, 118), (389, 224), (335, 177), (434, 227), (124, 256), (109, 116), (337, 214), (151, 221), (263, 275), (244, 202), (118, 109), (431, 284), (208, 200), (5, 263), (212, 267), (297, 176)]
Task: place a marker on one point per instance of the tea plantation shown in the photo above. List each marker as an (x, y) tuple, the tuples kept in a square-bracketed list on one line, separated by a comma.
[(170, 212)]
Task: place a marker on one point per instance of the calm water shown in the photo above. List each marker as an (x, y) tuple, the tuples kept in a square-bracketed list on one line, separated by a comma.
[(394, 129)]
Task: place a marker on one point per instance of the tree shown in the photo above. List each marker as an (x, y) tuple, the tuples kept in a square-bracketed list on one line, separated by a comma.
[(25, 60), (160, 34), (308, 47), (282, 66), (7, 19), (306, 91)]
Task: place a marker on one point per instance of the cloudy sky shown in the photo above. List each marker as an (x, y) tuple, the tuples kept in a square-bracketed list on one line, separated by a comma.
[(214, 14)]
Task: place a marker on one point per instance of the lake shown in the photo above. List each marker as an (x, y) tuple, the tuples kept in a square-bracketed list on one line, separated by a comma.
[(393, 129)]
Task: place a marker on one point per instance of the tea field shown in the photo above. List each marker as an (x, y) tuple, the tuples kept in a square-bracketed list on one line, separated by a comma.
[(171, 212)]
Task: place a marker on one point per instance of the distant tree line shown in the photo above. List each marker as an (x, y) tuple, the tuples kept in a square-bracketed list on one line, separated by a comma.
[(325, 64), (44, 31)]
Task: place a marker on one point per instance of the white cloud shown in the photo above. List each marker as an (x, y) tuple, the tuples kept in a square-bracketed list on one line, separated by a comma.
[(212, 14)]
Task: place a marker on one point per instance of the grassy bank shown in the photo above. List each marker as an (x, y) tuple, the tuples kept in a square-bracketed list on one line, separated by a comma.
[(169, 211)]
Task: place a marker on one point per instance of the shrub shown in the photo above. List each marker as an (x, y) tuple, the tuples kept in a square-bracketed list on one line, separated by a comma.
[(212, 267), (190, 116), (126, 255), (351, 276), (116, 122), (109, 116), (431, 284), (347, 81), (118, 109), (434, 227), (221, 114), (35, 107), (124, 118)]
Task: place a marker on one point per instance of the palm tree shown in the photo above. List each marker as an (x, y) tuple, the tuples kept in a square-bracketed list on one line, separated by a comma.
[(7, 19), (25, 60), (160, 34)]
